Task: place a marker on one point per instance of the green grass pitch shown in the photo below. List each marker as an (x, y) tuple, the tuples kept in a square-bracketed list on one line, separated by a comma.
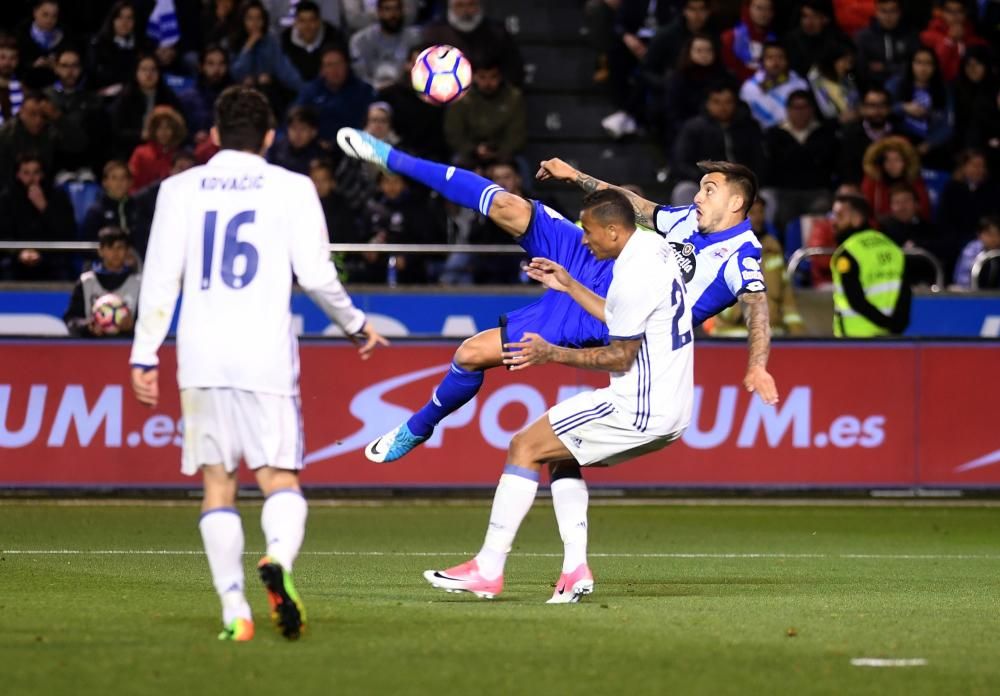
[(714, 599)]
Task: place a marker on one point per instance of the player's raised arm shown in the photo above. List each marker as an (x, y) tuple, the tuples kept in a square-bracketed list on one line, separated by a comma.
[(161, 285), (316, 273), (555, 277), (556, 168)]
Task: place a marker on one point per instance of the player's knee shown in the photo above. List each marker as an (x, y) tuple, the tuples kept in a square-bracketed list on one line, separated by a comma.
[(520, 451), (476, 354)]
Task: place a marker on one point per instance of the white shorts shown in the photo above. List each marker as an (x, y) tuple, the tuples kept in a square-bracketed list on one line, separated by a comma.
[(222, 426), (597, 433)]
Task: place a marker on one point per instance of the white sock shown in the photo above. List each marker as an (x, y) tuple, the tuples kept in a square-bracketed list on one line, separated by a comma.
[(570, 500), (222, 535), (283, 520), (514, 497)]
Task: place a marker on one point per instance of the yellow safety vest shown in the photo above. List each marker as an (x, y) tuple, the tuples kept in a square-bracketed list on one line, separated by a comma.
[(880, 266)]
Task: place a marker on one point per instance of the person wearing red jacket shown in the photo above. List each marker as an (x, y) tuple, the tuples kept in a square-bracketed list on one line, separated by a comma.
[(151, 161), (743, 45), (949, 34)]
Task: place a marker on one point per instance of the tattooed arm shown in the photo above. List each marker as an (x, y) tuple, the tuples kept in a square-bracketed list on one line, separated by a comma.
[(618, 356), (557, 169), (759, 343)]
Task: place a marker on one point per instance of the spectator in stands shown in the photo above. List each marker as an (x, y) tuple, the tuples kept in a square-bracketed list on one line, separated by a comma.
[(801, 152), (360, 14), (199, 100), (599, 21), (885, 46), (339, 97), (924, 106), (489, 123), (819, 232), (783, 310), (988, 239), (154, 158), (300, 145), (767, 91), (853, 15), (115, 207), (220, 21), (870, 297), (145, 202), (379, 51), (116, 48), (814, 37), (131, 109), (420, 125), (975, 88), (111, 274), (81, 120), (469, 30), (971, 195), (302, 41), (37, 41), (904, 222), (667, 45), (341, 221), (833, 84), (877, 122), (698, 68), (743, 44), (887, 163), (950, 34), (33, 211), (398, 214), (30, 132), (258, 60), (722, 132), (282, 13), (379, 123), (11, 90)]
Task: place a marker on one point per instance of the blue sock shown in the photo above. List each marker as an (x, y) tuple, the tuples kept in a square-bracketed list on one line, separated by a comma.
[(456, 389), (459, 186)]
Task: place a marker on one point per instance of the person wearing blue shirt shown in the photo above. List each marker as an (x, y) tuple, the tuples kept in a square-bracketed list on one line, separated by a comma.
[(340, 98)]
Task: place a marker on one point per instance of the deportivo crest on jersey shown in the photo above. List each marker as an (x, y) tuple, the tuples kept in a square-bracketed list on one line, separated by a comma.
[(686, 260), (717, 267)]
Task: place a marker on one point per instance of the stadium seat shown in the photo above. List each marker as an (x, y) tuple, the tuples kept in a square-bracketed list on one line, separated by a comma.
[(935, 179), (565, 117), (558, 68), (82, 195)]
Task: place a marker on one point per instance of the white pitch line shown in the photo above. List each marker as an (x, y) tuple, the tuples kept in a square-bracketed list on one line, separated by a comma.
[(888, 662), (422, 554)]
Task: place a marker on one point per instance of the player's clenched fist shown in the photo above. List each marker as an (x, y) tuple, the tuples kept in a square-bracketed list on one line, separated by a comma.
[(555, 168)]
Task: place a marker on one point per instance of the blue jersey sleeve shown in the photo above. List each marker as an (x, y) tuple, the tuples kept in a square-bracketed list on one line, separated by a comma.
[(552, 236), (743, 272)]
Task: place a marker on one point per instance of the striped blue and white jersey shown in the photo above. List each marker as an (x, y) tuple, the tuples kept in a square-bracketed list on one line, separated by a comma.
[(718, 267)]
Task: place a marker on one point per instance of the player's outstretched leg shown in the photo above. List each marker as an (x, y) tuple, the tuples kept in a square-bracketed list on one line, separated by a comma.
[(459, 386), (283, 520), (459, 186), (570, 499), (222, 534)]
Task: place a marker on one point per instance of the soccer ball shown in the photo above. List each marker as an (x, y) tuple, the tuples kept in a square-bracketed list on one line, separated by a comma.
[(110, 313), (441, 74)]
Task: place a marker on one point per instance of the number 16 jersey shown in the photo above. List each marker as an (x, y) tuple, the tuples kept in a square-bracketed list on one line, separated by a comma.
[(231, 234)]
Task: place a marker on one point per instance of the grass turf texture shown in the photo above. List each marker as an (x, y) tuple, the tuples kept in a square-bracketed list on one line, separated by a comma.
[(720, 621)]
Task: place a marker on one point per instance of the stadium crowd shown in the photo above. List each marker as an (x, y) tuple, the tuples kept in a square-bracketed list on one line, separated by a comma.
[(899, 102)]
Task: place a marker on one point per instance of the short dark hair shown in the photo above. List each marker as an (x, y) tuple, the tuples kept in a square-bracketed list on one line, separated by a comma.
[(243, 117), (29, 156), (303, 114), (113, 164), (323, 163), (859, 204), (183, 153), (823, 7), (307, 6), (876, 89), (736, 175), (107, 236), (801, 94), (773, 44), (608, 206), (8, 42), (988, 221), (210, 49), (720, 85)]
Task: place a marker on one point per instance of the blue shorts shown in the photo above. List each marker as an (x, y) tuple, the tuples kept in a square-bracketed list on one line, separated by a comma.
[(555, 316)]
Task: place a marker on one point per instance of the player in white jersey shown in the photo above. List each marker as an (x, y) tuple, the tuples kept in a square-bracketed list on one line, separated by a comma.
[(230, 235), (646, 406)]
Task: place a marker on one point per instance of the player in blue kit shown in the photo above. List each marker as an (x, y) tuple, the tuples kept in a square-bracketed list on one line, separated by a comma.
[(730, 269), (716, 250)]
